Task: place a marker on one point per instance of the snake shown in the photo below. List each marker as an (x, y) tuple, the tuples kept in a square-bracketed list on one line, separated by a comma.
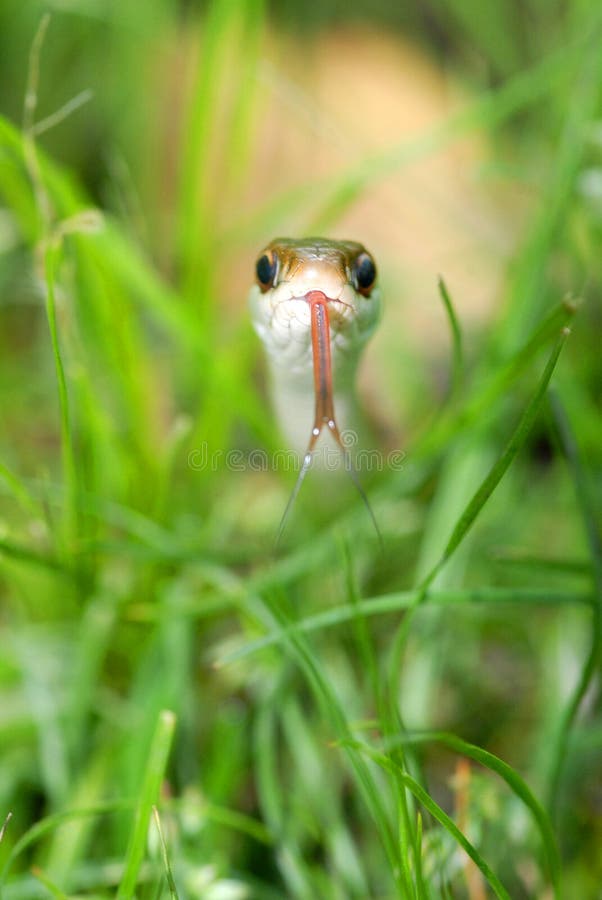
[(314, 304)]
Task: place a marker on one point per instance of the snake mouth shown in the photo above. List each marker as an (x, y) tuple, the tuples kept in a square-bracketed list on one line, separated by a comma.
[(339, 310), (297, 309), (340, 313)]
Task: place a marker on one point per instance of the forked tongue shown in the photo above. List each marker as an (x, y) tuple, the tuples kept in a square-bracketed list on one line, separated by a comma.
[(324, 415)]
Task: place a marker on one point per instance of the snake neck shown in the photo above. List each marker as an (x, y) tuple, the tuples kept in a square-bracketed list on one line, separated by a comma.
[(294, 404)]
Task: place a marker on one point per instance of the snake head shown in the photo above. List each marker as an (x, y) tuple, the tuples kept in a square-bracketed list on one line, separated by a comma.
[(287, 271)]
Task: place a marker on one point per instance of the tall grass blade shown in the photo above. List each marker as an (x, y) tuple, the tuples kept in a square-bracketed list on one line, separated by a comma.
[(19, 491), (171, 885), (329, 703), (442, 817), (50, 886), (591, 524), (405, 600), (149, 792), (514, 782), (9, 816), (71, 514), (500, 467), (456, 333), (48, 824)]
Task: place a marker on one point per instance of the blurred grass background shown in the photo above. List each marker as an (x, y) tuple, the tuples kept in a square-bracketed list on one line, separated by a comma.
[(328, 721)]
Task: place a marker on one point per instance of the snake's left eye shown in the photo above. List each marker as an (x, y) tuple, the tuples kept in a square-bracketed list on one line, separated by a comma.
[(364, 273), (265, 270)]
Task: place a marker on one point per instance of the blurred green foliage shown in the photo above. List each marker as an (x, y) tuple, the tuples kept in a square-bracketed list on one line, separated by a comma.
[(306, 686)]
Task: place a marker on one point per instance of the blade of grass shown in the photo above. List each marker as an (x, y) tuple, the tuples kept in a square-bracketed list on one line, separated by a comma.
[(493, 383), (42, 201), (237, 821), (473, 509), (528, 294), (489, 110), (293, 868), (517, 559), (63, 113), (48, 824), (591, 666), (440, 815), (420, 880), (38, 674), (196, 217), (129, 264), (499, 468), (66, 846), (9, 816), (456, 333), (19, 492), (149, 792), (251, 25), (493, 30), (50, 250), (171, 885), (331, 707), (70, 473), (50, 886), (404, 600), (24, 554), (363, 638), (514, 781)]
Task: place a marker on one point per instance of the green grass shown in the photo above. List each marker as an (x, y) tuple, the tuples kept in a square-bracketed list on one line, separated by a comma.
[(185, 712)]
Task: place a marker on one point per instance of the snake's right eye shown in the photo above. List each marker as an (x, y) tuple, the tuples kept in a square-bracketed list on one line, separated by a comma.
[(265, 270)]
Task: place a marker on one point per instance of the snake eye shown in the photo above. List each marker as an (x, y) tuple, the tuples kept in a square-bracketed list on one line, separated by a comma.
[(265, 270), (364, 273)]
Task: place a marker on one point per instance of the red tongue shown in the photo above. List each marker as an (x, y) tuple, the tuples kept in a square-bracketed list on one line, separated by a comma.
[(320, 343)]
